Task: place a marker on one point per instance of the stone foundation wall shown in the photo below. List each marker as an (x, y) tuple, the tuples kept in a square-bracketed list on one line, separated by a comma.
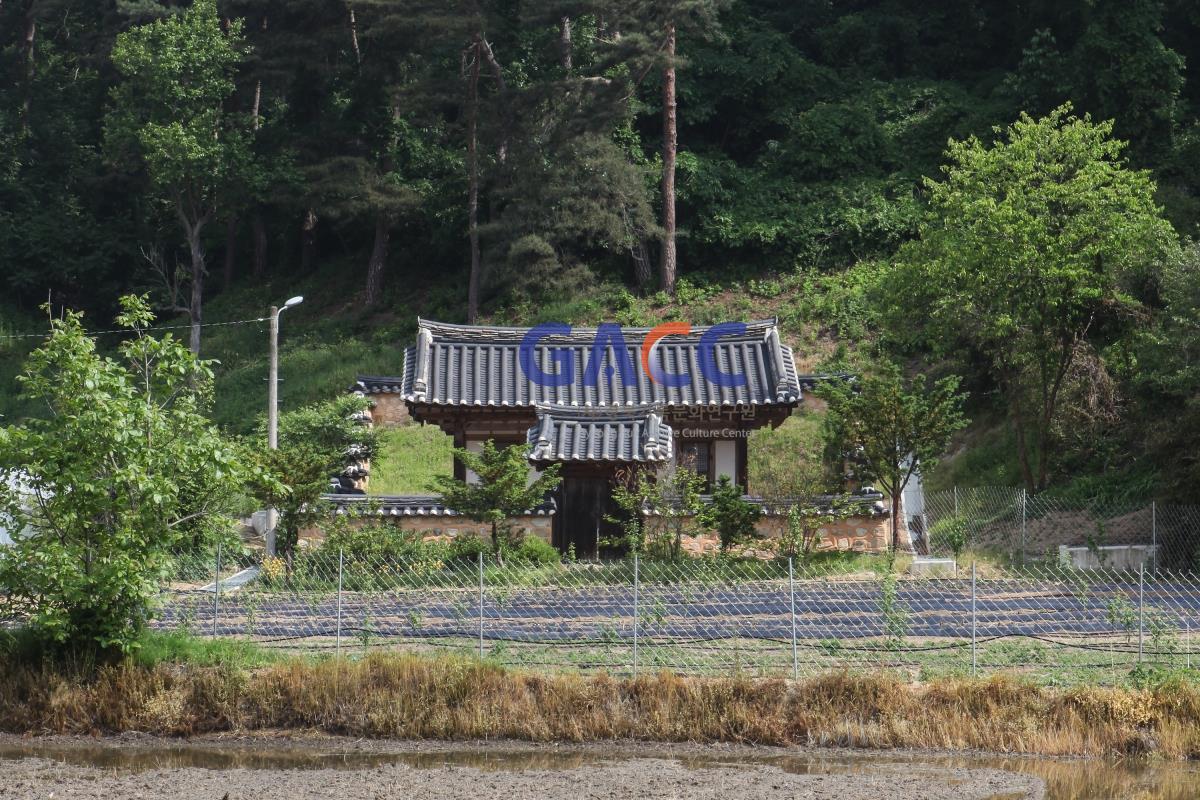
[(434, 529), (388, 410), (866, 534)]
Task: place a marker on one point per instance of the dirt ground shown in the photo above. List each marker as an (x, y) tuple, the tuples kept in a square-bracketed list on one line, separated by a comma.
[(300, 769)]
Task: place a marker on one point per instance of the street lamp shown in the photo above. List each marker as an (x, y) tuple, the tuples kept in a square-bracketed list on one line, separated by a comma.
[(273, 406), (273, 378)]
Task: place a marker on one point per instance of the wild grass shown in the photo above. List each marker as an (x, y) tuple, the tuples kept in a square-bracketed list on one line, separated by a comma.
[(410, 457), (458, 698), (180, 647)]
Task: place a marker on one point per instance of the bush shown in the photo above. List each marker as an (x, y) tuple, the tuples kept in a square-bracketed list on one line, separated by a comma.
[(373, 542), (950, 533), (731, 514), (468, 548), (535, 550)]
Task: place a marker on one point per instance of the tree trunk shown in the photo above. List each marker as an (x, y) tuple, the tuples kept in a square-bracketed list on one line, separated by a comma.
[(231, 233), (473, 184), (308, 241), (257, 105), (496, 553), (564, 42), (28, 58), (196, 305), (895, 521), (375, 266), (669, 149), (354, 37), (484, 50), (1022, 444), (260, 244), (643, 270)]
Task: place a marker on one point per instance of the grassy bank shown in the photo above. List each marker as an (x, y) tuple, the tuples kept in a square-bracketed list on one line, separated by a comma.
[(414, 698)]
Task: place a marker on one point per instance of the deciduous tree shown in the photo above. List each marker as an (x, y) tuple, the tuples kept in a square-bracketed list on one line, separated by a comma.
[(1021, 259), (168, 116), (891, 427), (123, 468)]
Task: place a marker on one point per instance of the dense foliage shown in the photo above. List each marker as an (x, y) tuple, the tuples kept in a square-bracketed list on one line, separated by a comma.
[(125, 468), (888, 428), (503, 489), (315, 443), (519, 161)]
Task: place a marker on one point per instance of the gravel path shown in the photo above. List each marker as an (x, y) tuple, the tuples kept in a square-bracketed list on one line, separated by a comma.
[(649, 777)]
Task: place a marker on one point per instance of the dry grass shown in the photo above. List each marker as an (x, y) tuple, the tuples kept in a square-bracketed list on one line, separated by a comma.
[(409, 697)]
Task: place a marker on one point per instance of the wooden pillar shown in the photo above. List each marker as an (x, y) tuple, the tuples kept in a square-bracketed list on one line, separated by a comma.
[(460, 441), (743, 463)]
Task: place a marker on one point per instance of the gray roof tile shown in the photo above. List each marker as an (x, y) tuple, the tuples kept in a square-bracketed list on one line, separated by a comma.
[(566, 433), (475, 365), (408, 505)]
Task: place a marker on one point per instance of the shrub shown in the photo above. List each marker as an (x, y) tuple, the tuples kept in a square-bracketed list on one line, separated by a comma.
[(468, 548), (374, 542), (950, 533), (125, 466), (535, 550), (731, 514)]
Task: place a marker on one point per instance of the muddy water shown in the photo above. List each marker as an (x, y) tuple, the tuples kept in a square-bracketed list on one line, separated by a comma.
[(1064, 779)]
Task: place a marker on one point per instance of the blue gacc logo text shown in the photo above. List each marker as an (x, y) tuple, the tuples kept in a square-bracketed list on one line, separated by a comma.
[(609, 338)]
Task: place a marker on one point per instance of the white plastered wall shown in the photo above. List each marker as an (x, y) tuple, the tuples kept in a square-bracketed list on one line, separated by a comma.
[(725, 459)]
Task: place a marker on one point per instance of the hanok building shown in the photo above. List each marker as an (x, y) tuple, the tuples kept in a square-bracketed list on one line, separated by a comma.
[(589, 411)]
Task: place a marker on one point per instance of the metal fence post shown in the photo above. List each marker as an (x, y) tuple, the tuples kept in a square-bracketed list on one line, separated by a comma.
[(792, 593), (1154, 535), (341, 562), (481, 605), (1024, 503), (636, 587), (1141, 608), (974, 658), (955, 501), (217, 592), (1187, 641)]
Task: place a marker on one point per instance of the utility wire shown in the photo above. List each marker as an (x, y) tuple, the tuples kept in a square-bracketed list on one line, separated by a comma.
[(132, 330)]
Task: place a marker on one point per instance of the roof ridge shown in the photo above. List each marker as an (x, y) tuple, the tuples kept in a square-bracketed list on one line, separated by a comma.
[(760, 326)]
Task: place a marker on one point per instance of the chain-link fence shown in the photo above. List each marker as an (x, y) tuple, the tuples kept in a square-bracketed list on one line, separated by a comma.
[(1024, 528), (703, 616)]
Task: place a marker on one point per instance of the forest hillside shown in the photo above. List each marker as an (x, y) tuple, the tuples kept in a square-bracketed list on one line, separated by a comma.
[(860, 170)]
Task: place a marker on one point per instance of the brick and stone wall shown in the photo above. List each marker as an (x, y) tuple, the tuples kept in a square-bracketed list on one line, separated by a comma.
[(389, 410), (445, 528), (862, 534)]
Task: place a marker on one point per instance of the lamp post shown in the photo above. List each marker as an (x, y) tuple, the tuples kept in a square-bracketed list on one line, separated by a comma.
[(273, 405)]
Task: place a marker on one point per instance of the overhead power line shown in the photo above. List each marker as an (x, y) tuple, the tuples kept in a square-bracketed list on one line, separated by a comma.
[(44, 334)]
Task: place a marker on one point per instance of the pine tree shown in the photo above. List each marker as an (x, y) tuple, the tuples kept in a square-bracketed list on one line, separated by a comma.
[(648, 37)]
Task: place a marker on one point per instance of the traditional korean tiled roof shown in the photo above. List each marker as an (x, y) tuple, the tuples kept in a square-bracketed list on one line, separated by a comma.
[(476, 365), (565, 433), (408, 506)]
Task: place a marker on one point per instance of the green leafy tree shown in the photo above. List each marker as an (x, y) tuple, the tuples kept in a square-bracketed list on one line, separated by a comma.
[(1022, 256), (892, 427), (657, 509), (115, 476), (633, 492), (168, 117), (731, 515), (806, 517), (953, 533), (503, 489), (315, 443)]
